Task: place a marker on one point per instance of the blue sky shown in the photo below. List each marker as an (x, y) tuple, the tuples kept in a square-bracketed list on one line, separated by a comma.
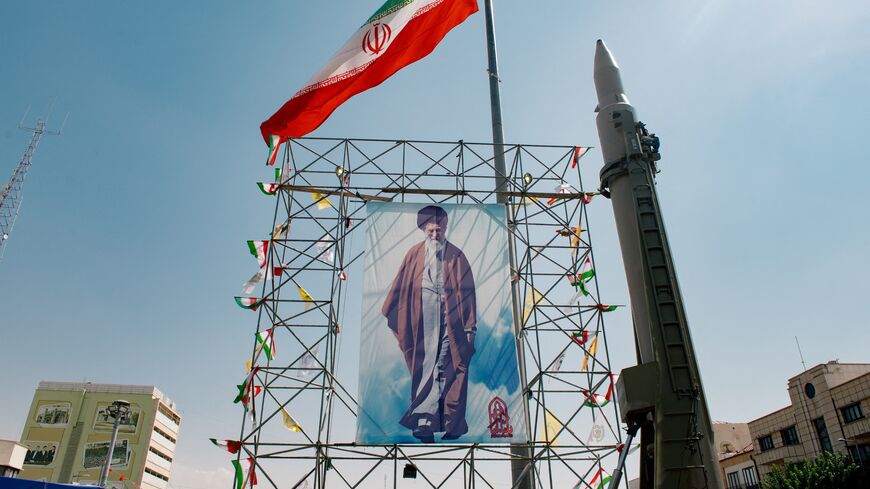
[(130, 243)]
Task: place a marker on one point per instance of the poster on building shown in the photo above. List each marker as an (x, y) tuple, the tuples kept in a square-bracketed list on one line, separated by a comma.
[(104, 422), (438, 356), (95, 454), (53, 414), (40, 452)]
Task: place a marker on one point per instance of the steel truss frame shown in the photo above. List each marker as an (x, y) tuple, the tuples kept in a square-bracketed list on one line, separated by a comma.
[(324, 186)]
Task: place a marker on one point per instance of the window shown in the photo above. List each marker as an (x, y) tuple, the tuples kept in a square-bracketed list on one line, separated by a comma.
[(165, 434), (169, 414), (156, 474), (822, 432), (733, 480), (789, 436), (160, 454), (750, 477), (766, 443), (852, 412)]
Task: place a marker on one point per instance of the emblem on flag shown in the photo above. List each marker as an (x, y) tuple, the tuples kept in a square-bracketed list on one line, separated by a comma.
[(376, 38)]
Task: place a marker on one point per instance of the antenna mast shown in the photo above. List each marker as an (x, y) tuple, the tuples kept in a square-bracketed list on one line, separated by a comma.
[(10, 194)]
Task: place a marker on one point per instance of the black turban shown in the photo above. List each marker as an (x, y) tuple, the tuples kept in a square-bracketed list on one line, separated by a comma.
[(431, 213)]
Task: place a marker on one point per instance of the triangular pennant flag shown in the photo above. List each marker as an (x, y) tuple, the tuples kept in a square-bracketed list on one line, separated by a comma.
[(575, 237), (248, 366), (231, 446), (321, 200), (586, 274), (251, 303), (606, 308), (306, 298), (594, 399), (590, 352), (533, 298), (245, 386), (557, 363), (274, 143), (289, 422), (250, 285), (580, 337), (266, 343), (246, 475), (604, 480), (587, 196), (280, 230), (564, 188), (260, 251), (268, 188), (579, 151), (551, 429)]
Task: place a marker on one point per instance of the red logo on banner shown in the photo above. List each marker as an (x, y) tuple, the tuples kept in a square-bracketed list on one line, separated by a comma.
[(499, 420), (376, 38)]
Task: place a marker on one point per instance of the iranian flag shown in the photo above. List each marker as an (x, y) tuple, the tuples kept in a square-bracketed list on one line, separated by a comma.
[(266, 343), (251, 303), (231, 446), (604, 479), (260, 251), (268, 188), (246, 475), (398, 34)]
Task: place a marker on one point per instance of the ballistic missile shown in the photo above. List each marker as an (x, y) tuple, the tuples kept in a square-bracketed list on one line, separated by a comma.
[(662, 396)]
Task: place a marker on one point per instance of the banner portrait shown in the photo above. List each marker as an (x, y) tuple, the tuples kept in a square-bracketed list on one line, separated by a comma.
[(438, 358)]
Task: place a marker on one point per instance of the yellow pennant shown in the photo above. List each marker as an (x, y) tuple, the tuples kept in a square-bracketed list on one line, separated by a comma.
[(533, 298), (575, 237), (281, 230), (247, 366), (589, 352), (552, 427), (306, 298), (321, 200), (289, 422)]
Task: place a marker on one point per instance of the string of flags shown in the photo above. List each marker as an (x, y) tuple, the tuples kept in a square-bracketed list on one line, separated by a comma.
[(248, 475)]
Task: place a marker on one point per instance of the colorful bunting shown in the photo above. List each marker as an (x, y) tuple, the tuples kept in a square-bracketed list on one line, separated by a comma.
[(579, 151), (251, 303), (604, 480), (260, 251), (564, 188), (580, 337), (231, 446), (268, 188), (289, 422), (606, 308), (266, 343), (248, 475), (321, 200), (274, 143), (590, 352), (551, 429), (594, 399), (533, 298), (306, 298)]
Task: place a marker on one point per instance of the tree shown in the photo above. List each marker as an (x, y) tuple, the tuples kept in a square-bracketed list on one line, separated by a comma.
[(828, 471)]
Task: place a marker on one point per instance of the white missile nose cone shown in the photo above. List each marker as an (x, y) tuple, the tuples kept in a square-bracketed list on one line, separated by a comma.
[(608, 83)]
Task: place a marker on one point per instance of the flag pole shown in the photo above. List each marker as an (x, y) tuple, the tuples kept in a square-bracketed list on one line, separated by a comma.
[(520, 452)]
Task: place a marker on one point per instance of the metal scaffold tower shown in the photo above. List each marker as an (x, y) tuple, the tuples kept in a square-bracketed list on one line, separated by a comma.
[(298, 430), (10, 195)]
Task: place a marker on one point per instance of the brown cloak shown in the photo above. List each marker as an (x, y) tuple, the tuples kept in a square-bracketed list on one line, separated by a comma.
[(403, 309)]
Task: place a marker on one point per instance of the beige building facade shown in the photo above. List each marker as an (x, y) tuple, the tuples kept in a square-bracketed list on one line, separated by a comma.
[(67, 434), (829, 411)]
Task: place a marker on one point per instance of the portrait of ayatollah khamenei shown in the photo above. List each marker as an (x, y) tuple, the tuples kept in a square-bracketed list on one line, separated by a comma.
[(438, 361)]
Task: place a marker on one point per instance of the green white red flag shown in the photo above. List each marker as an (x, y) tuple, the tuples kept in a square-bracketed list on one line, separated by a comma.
[(231, 446), (259, 250), (604, 479), (398, 34), (579, 151), (245, 472), (251, 303), (266, 343), (268, 188)]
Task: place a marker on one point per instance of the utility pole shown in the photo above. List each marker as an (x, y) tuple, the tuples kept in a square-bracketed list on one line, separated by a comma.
[(119, 410), (10, 194), (662, 397), (521, 458)]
